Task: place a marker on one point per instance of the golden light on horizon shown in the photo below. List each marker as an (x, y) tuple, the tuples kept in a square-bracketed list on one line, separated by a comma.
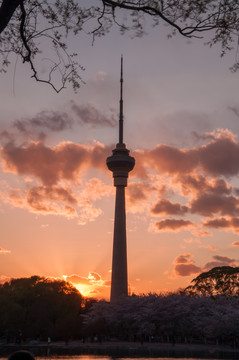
[(82, 288), (85, 290), (90, 286)]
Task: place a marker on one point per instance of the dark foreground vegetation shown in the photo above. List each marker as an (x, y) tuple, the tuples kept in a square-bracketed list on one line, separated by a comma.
[(206, 312)]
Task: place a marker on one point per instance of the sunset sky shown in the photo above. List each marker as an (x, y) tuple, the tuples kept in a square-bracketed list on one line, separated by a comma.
[(181, 112)]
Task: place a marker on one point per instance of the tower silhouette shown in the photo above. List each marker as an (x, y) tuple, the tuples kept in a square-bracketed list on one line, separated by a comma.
[(120, 163)]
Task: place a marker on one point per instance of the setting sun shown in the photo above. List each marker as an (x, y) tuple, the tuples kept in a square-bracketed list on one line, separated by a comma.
[(85, 290)]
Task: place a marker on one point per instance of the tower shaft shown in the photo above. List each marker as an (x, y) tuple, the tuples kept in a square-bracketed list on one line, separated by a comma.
[(119, 279)]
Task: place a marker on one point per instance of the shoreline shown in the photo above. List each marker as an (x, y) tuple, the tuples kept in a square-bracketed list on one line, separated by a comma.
[(124, 349)]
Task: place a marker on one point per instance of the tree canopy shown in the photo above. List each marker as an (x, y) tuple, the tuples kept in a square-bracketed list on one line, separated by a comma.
[(221, 280), (40, 307), (34, 29)]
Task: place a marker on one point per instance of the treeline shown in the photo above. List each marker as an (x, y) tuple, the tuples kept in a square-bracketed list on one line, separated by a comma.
[(171, 318), (38, 308)]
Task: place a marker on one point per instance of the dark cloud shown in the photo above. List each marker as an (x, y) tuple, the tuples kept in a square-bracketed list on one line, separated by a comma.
[(235, 222), (164, 206), (234, 109), (137, 192), (226, 223), (219, 186), (220, 261), (235, 243), (51, 193), (217, 223), (199, 183), (195, 184), (6, 137), (210, 204), (183, 259), (220, 157), (50, 120), (187, 269), (43, 199), (203, 137), (89, 115), (173, 224), (236, 191)]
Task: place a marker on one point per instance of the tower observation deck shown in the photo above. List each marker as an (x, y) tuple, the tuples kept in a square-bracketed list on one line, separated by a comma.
[(120, 163)]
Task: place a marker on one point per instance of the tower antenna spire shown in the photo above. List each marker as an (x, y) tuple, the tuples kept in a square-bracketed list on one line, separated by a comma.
[(121, 104)]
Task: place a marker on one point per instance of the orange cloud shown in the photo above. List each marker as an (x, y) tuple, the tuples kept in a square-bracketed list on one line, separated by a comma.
[(51, 174), (58, 170), (184, 265), (173, 225), (56, 200), (4, 251), (209, 247), (92, 285), (44, 200), (95, 189), (4, 279), (187, 269), (218, 157), (201, 233), (235, 243), (165, 207), (52, 164)]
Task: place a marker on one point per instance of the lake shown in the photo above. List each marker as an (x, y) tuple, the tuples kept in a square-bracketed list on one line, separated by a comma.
[(125, 351), (95, 357)]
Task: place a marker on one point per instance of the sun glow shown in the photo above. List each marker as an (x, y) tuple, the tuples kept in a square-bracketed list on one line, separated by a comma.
[(85, 290)]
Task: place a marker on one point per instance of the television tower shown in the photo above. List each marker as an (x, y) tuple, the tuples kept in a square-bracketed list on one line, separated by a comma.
[(120, 163)]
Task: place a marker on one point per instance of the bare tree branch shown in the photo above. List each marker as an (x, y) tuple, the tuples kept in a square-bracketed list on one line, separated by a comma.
[(26, 24), (7, 9)]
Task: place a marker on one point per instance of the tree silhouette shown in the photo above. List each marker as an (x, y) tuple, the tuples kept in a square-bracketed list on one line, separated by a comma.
[(40, 307), (222, 280)]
